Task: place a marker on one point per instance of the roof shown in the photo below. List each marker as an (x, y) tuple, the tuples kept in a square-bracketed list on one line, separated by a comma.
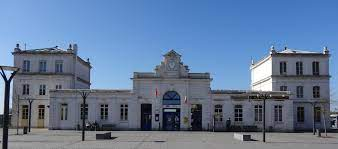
[(289, 51), (53, 50), (172, 53)]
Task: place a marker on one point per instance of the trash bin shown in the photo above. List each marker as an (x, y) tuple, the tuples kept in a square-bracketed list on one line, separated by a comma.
[(25, 130), (318, 133)]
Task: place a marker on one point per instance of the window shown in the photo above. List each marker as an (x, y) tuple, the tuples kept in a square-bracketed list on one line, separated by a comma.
[(300, 114), (282, 68), (42, 90), (317, 114), (299, 68), (64, 112), (278, 113), (58, 66), (218, 113), (315, 68), (25, 89), (104, 112), (283, 88), (58, 87), (316, 92), (124, 112), (85, 111), (43, 66), (41, 112), (300, 91), (258, 113), (238, 113), (24, 112), (26, 66)]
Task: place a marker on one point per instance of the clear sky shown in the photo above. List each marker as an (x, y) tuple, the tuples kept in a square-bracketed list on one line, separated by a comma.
[(121, 37)]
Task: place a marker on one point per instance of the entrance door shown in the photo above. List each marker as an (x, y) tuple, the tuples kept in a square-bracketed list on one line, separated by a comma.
[(146, 113), (196, 117), (41, 116), (171, 119)]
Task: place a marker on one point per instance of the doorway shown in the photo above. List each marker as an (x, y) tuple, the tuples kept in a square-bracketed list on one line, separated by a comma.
[(171, 119), (146, 114), (196, 117)]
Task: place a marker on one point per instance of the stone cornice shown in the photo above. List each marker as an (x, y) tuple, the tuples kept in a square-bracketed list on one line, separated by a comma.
[(303, 76)]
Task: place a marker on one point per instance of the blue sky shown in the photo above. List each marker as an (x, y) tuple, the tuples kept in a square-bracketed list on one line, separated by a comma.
[(121, 37)]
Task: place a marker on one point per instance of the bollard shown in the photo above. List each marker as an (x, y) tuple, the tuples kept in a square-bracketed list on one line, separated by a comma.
[(25, 130), (318, 133)]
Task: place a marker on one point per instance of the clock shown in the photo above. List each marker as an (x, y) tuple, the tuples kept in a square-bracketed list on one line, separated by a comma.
[(172, 65)]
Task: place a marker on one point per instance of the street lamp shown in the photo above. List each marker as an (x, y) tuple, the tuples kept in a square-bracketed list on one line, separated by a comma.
[(7, 81), (264, 95), (84, 94), (30, 101)]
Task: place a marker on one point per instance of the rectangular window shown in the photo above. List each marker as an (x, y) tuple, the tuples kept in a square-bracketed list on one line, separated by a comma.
[(43, 66), (238, 113), (25, 89), (124, 112), (85, 111), (300, 114), (299, 68), (41, 112), (218, 113), (42, 89), (258, 113), (24, 112), (283, 88), (316, 92), (282, 68), (300, 91), (317, 114), (58, 87), (278, 113), (315, 68), (104, 112), (59, 66), (26, 66), (64, 112)]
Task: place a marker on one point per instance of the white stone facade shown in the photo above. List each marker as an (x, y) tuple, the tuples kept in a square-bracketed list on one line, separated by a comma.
[(266, 75), (72, 73), (180, 100)]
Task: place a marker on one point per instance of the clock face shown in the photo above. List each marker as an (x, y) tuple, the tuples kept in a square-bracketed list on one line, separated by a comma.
[(172, 65)]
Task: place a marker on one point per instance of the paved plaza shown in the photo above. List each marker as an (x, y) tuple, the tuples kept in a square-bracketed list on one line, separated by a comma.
[(45, 139)]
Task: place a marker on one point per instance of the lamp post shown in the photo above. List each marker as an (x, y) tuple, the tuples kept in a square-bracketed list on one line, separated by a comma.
[(7, 81), (30, 101), (84, 94), (264, 95)]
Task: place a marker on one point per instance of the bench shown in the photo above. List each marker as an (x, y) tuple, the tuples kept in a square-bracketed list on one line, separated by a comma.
[(108, 127), (105, 136), (242, 137)]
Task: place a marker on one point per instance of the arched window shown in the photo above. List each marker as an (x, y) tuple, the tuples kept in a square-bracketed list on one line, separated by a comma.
[(171, 98)]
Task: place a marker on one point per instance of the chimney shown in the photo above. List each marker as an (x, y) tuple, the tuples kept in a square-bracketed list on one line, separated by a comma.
[(69, 48), (75, 49), (326, 50), (17, 48), (272, 50)]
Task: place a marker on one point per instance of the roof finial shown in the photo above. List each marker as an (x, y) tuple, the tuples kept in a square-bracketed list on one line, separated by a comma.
[(326, 50), (272, 50), (252, 61)]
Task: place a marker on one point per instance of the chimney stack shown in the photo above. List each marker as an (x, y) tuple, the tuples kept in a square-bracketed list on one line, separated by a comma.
[(17, 48)]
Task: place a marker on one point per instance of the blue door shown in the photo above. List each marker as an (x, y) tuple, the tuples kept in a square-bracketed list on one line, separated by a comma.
[(171, 119)]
